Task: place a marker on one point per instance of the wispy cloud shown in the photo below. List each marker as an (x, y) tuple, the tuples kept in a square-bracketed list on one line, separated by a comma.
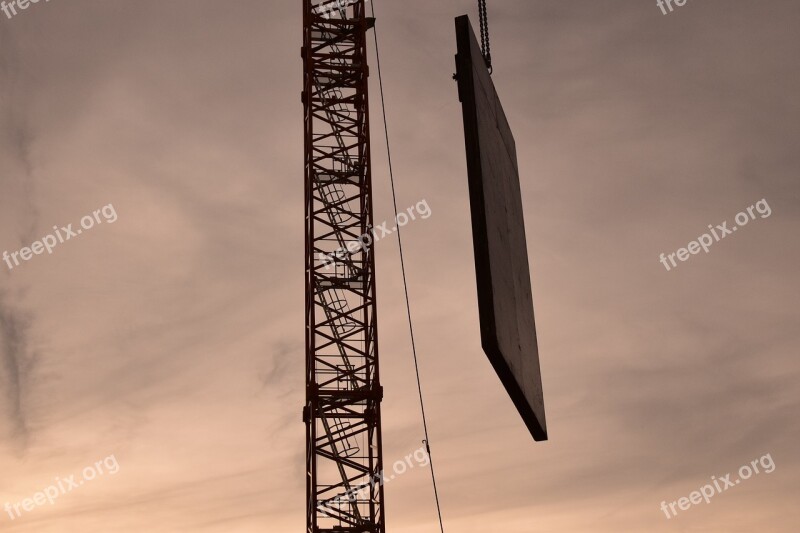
[(16, 359)]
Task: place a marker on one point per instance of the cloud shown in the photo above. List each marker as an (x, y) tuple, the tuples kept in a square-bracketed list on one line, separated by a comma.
[(15, 364), (16, 140)]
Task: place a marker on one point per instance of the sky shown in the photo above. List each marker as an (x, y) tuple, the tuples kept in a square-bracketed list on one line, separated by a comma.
[(166, 342)]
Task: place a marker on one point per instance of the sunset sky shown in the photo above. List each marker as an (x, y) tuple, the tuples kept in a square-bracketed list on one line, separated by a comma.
[(172, 337)]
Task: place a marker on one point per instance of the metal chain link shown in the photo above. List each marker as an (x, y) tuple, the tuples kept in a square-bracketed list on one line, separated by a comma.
[(486, 49)]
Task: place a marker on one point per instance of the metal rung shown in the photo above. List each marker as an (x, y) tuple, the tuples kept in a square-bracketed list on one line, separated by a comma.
[(326, 284), (352, 179)]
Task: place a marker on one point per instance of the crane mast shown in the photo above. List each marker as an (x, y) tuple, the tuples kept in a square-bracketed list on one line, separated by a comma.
[(343, 391)]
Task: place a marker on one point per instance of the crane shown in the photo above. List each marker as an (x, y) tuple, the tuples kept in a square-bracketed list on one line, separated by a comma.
[(342, 411)]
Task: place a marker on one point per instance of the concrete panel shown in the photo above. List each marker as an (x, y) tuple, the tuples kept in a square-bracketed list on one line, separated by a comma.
[(508, 330)]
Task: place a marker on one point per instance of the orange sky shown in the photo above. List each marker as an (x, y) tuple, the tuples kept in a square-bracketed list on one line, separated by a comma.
[(172, 339)]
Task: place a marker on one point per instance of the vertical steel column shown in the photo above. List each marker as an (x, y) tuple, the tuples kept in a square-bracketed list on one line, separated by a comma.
[(343, 391)]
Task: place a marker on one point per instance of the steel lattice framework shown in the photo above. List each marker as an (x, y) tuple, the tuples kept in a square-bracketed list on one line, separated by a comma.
[(343, 391)]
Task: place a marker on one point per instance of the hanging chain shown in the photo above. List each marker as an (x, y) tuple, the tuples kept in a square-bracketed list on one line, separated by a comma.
[(486, 49)]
